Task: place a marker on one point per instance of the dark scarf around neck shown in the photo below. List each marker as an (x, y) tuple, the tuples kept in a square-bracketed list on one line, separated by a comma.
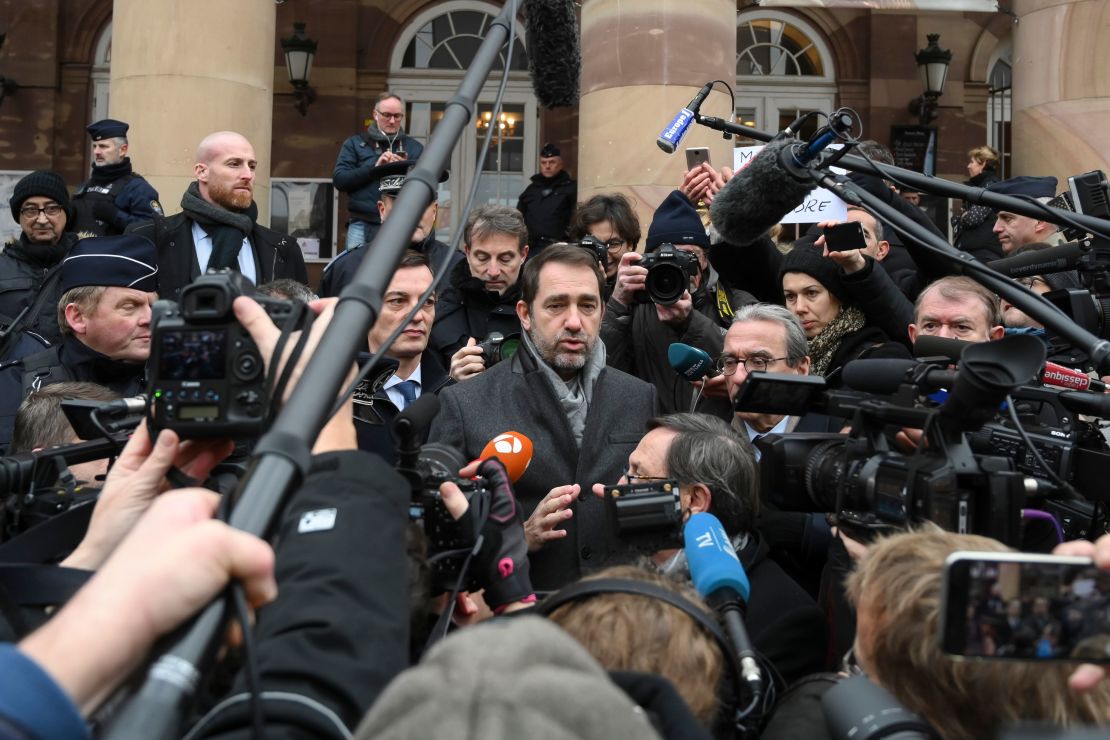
[(111, 172), (227, 228), (41, 255)]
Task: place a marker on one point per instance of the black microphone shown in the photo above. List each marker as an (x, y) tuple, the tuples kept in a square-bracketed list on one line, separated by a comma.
[(676, 130), (927, 345), (122, 407), (409, 427), (1042, 261), (554, 53), (758, 196), (719, 578), (886, 375)]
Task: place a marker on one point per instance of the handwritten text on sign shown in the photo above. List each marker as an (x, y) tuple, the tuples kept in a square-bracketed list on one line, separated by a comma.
[(819, 205)]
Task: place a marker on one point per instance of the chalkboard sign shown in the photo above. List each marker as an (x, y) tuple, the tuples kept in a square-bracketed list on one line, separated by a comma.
[(915, 148)]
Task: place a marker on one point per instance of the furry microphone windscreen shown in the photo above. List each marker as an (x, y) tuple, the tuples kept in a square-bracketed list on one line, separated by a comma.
[(757, 197), (554, 54)]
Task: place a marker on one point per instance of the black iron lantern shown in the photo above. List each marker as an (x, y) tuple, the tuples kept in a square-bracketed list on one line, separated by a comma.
[(299, 51), (932, 65)]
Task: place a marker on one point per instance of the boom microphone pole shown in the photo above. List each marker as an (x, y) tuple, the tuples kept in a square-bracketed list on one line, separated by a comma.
[(283, 455), (933, 185)]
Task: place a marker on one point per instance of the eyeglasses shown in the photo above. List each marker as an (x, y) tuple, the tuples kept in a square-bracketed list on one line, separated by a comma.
[(633, 478), (1029, 282), (53, 209), (727, 364), (614, 245), (390, 116)]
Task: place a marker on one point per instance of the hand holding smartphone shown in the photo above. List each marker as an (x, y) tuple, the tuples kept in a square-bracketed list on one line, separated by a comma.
[(695, 156), (845, 237)]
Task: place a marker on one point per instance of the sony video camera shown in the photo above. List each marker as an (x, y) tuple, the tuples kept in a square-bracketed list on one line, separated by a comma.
[(206, 376), (670, 271)]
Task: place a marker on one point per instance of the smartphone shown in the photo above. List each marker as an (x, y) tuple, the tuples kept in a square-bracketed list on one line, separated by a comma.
[(1021, 606), (696, 155), (845, 236)]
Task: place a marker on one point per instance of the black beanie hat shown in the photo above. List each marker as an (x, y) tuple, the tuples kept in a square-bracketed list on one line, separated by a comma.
[(822, 269), (46, 184), (676, 222)]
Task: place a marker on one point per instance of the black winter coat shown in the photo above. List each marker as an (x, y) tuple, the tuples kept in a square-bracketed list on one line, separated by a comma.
[(547, 205), (276, 255), (24, 268), (466, 309), (341, 270)]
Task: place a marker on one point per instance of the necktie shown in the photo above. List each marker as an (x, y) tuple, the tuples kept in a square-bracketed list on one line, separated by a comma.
[(408, 390)]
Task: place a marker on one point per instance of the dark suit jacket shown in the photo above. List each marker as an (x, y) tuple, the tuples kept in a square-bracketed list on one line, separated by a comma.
[(783, 621), (517, 396), (275, 255)]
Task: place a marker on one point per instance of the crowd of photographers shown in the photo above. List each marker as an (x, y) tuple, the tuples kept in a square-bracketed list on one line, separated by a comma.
[(539, 439)]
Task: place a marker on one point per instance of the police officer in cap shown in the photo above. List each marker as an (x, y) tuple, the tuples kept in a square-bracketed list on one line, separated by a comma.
[(108, 289), (391, 178), (548, 201), (113, 196)]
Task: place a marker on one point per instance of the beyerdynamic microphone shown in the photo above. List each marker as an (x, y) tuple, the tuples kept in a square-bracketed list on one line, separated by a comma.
[(690, 362), (1042, 261), (554, 54), (513, 449), (676, 130), (720, 580)]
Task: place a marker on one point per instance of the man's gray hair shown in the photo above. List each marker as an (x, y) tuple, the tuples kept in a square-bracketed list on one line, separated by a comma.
[(487, 221), (722, 462), (797, 346)]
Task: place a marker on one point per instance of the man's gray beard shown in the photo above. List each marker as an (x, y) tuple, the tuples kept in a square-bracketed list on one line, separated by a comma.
[(552, 357)]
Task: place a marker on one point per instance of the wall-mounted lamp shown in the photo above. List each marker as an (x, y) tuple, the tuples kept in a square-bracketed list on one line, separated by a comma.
[(932, 65), (299, 52)]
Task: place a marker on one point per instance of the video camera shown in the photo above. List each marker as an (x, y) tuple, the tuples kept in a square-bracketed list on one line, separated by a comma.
[(963, 476), (207, 378), (646, 516)]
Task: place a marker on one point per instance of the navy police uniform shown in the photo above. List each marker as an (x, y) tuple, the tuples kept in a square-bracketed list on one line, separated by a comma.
[(114, 196)]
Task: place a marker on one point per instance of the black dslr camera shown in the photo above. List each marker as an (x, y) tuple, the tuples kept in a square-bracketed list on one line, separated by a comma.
[(670, 271), (598, 248), (497, 347), (207, 378)]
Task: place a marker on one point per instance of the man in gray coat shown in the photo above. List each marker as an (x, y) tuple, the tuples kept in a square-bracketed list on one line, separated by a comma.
[(582, 417)]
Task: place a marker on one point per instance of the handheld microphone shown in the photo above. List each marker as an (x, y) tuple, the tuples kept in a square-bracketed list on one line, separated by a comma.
[(758, 196), (554, 53), (409, 428), (676, 130), (720, 580), (1059, 376), (690, 362), (886, 375), (513, 449), (1042, 261), (123, 407)]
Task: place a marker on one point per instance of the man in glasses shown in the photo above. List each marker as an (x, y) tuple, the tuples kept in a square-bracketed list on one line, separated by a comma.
[(548, 201), (383, 142), (40, 204), (768, 338)]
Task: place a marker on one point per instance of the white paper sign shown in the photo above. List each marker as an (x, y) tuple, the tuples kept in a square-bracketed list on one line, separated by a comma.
[(819, 205), (310, 247)]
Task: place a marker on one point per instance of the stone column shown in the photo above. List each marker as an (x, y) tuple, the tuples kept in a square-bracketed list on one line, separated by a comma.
[(1061, 104), (642, 61), (182, 69)]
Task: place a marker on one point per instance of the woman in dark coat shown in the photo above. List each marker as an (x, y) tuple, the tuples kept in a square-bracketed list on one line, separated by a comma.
[(974, 228), (837, 330)]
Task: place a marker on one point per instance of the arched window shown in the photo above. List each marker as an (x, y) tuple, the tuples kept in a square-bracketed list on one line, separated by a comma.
[(100, 75), (783, 68), (450, 41), (428, 60)]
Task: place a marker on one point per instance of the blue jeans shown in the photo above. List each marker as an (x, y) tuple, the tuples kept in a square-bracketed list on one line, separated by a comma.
[(360, 232)]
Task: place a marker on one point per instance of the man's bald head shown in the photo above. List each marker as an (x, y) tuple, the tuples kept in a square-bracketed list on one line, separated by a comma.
[(225, 170)]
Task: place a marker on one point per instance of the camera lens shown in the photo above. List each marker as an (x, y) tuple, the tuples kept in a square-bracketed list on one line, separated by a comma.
[(666, 283)]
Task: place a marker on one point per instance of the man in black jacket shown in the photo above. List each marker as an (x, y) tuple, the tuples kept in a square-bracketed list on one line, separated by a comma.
[(40, 204), (483, 290), (218, 227), (548, 201)]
